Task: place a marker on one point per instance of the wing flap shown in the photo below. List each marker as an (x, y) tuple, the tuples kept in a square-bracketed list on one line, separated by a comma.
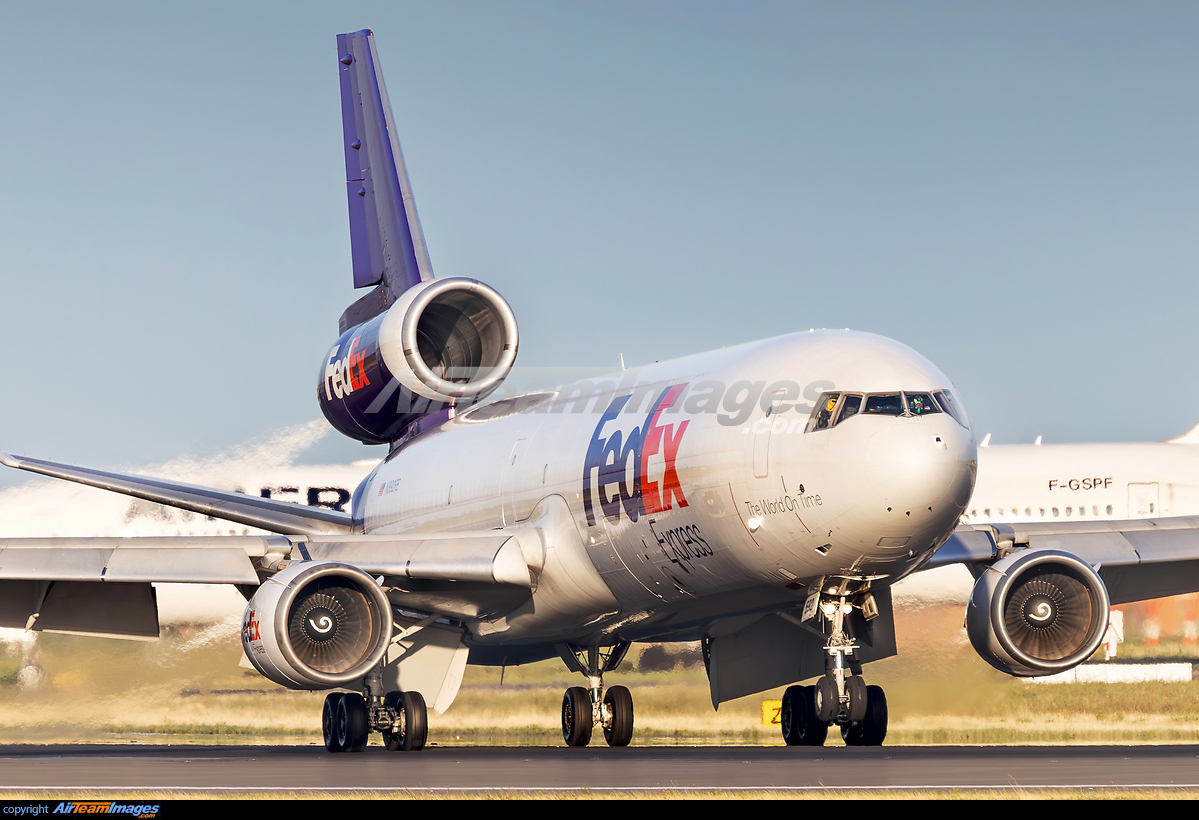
[(53, 564), (80, 608), (1106, 548), (177, 560)]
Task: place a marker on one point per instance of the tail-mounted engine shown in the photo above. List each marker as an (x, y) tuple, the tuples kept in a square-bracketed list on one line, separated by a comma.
[(1037, 613), (317, 626), (445, 342)]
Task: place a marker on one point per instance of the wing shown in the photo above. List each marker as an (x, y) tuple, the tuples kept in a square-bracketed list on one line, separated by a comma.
[(1137, 559), (103, 586), (268, 514)]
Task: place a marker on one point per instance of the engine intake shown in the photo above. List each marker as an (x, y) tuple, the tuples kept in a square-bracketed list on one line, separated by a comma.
[(449, 339), (317, 626), (444, 342), (1037, 612)]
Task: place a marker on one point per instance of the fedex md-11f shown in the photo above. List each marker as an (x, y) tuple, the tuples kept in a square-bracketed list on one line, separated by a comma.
[(761, 499)]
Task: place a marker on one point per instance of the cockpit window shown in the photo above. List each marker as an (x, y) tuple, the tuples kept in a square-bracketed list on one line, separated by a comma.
[(833, 408), (950, 405), (822, 416), (885, 404), (850, 405), (921, 404)]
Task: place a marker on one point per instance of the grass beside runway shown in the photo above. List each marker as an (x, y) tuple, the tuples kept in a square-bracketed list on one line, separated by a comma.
[(189, 686)]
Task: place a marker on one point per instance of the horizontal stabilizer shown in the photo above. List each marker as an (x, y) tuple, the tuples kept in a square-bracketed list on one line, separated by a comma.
[(274, 516)]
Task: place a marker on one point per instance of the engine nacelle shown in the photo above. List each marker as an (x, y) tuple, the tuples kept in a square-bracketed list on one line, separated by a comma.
[(1037, 612), (317, 626), (444, 342)]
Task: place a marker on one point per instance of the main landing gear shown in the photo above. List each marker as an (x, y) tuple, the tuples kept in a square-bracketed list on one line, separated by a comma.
[(349, 717), (841, 696), (585, 709)]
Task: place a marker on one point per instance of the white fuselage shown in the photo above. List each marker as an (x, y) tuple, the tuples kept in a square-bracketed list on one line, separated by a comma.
[(1090, 481), (690, 502)]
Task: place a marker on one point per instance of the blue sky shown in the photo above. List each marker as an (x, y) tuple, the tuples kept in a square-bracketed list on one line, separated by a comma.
[(1010, 188)]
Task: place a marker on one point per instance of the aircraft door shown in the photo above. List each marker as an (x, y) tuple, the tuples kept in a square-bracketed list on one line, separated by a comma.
[(518, 482), (761, 431), (1143, 500)]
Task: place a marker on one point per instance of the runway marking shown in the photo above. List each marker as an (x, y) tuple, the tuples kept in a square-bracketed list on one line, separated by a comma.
[(484, 790)]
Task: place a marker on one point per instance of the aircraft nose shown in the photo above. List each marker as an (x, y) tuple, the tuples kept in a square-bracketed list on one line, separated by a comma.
[(917, 464)]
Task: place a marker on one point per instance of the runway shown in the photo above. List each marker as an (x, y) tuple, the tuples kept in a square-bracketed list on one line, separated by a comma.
[(310, 768)]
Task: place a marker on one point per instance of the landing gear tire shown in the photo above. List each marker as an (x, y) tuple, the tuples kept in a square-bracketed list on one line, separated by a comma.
[(800, 725), (618, 730), (788, 715), (352, 724), (577, 717), (827, 701), (872, 729), (329, 722), (855, 687), (411, 728)]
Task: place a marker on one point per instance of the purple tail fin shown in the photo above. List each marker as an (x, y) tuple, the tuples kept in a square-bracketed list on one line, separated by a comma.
[(385, 235)]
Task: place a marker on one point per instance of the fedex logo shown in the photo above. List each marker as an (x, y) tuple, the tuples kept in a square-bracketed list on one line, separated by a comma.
[(344, 376), (629, 463), (250, 627)]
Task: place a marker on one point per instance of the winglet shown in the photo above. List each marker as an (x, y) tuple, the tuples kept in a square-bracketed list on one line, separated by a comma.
[(1189, 437), (9, 461), (385, 234)]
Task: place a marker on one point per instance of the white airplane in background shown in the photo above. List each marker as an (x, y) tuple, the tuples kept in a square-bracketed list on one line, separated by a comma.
[(761, 499), (1020, 484), (1035, 482)]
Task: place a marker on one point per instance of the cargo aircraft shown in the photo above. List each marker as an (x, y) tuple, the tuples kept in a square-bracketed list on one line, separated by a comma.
[(761, 499)]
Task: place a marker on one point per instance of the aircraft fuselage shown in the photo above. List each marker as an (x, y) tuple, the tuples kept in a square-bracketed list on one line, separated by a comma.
[(691, 501)]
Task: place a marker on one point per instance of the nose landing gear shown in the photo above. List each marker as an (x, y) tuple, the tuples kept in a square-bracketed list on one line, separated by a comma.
[(841, 695), (801, 726), (585, 709)]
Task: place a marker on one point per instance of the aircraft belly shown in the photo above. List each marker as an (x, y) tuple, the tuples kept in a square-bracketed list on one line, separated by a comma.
[(691, 619)]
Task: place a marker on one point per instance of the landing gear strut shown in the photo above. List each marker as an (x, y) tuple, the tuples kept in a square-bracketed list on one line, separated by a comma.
[(841, 695), (585, 709)]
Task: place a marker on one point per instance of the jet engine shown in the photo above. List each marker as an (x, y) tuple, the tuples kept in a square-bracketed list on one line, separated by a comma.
[(444, 342), (317, 626), (1037, 612)]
